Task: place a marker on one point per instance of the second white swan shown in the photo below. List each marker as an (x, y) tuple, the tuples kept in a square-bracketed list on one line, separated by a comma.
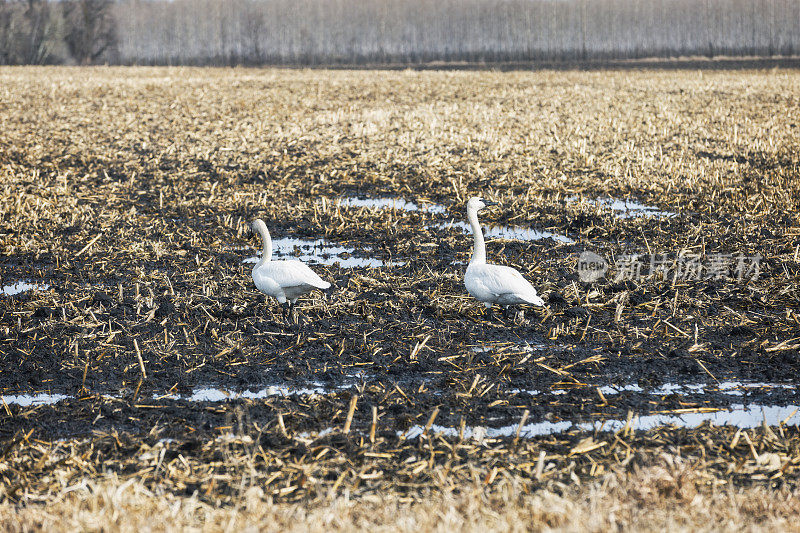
[(493, 284), (284, 280)]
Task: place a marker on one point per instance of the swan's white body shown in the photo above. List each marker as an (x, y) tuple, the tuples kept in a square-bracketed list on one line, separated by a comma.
[(283, 280), (493, 284)]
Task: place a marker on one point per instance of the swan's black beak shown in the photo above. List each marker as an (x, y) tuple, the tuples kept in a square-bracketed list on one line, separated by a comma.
[(488, 203)]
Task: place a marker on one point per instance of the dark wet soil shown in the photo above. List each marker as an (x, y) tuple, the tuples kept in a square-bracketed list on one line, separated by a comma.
[(204, 325)]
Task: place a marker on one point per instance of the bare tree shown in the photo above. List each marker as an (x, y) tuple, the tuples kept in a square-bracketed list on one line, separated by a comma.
[(37, 16), (29, 32), (91, 29), (6, 33)]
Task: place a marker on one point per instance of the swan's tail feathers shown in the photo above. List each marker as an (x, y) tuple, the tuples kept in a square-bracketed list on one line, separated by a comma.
[(323, 285)]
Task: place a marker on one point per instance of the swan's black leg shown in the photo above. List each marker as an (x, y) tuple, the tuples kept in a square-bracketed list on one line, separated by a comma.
[(511, 313), (286, 312), (268, 311), (293, 314), (301, 319), (504, 316)]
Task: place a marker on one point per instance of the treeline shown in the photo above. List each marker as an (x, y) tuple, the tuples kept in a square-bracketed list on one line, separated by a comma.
[(360, 31), (229, 32), (47, 32)]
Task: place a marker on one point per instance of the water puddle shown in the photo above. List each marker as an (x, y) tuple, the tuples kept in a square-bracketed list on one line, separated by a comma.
[(536, 392), (733, 388), (497, 232), (610, 390), (214, 394), (738, 388), (347, 379), (512, 233), (527, 347), (27, 400), (482, 349), (626, 208), (205, 394), (483, 432), (221, 395), (391, 203), (739, 416), (320, 252), (22, 286)]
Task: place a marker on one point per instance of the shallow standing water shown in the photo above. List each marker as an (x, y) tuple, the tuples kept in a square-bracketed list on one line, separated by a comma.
[(738, 415), (320, 252), (23, 286)]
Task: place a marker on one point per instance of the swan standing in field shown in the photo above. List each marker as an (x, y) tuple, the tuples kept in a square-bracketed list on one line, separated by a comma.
[(284, 280), (493, 284)]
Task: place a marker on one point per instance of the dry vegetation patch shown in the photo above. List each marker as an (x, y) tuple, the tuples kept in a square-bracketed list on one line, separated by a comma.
[(128, 193)]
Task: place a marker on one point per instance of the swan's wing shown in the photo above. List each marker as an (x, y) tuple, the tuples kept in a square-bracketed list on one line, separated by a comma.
[(507, 284), (292, 273)]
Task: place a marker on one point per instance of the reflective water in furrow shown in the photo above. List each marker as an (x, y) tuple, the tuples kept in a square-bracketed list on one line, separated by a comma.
[(737, 415), (499, 232), (321, 252), (626, 208), (22, 286), (26, 400), (505, 232), (391, 203), (733, 388)]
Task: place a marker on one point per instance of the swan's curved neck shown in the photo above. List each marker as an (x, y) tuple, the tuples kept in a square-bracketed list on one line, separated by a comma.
[(478, 247), (266, 254)]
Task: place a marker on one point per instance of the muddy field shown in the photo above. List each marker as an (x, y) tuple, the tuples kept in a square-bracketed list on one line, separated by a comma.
[(135, 346)]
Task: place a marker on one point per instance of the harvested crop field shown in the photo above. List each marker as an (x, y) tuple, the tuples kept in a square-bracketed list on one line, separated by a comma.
[(143, 375)]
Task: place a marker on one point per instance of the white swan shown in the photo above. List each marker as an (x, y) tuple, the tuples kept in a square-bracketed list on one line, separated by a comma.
[(283, 280), (493, 284)]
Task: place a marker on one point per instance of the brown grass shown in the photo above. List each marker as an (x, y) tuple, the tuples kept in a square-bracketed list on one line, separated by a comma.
[(659, 498)]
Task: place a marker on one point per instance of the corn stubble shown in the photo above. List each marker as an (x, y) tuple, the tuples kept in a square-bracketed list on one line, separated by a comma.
[(129, 191)]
